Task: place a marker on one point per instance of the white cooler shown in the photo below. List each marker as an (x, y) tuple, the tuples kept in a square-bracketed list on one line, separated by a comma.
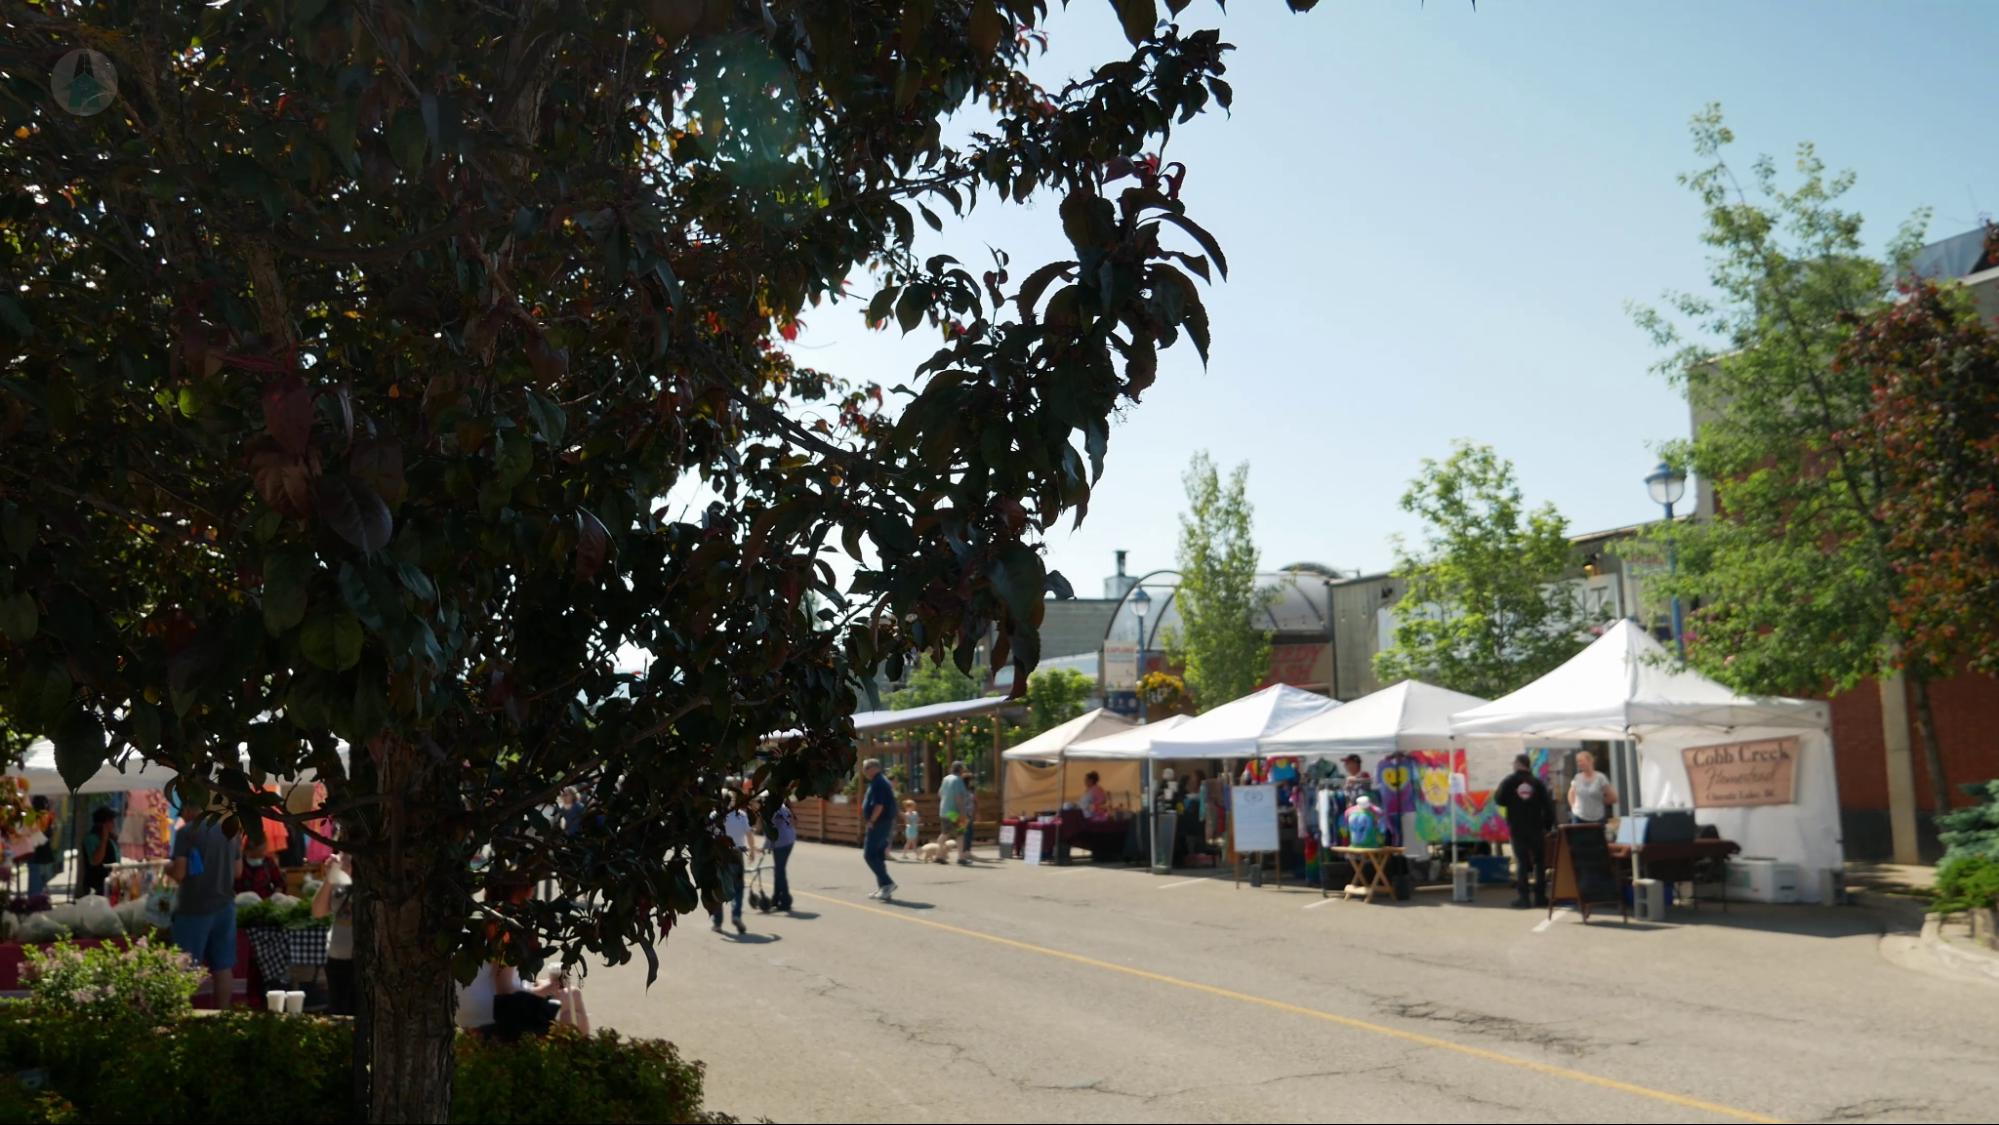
[(1753, 879)]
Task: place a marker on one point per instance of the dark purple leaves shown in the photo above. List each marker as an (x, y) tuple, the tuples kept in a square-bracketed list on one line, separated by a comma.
[(354, 511)]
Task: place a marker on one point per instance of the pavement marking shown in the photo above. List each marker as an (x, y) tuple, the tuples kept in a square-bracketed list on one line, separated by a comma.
[(1322, 902), (1544, 923), (1421, 1040), (1181, 883)]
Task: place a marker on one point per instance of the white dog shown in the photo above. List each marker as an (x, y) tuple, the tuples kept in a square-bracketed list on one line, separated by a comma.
[(940, 851)]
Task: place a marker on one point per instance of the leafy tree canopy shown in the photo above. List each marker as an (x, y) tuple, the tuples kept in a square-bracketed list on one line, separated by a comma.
[(1222, 651), (347, 355)]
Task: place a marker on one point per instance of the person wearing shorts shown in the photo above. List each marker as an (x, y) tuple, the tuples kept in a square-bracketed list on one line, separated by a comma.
[(206, 863)]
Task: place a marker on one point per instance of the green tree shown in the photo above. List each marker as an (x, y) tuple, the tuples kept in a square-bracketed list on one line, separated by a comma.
[(1054, 696), (345, 359), (941, 682), (1795, 577), (1222, 651), (1489, 606)]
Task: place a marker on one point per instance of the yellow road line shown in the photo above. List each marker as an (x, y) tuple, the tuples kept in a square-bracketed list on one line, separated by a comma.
[(1349, 1022)]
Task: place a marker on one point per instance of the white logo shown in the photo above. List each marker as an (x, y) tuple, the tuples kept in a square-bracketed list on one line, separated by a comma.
[(84, 82)]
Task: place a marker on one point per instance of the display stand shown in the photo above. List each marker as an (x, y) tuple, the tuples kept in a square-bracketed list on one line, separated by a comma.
[(1584, 874), (1370, 871)]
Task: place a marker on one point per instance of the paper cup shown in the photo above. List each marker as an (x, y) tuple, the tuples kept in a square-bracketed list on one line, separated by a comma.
[(274, 1001), (294, 1003)]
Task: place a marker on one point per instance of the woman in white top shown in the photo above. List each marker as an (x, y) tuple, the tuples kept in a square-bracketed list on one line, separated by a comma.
[(736, 823), (1591, 796)]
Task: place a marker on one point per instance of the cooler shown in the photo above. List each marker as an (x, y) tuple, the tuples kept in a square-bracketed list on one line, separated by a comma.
[(1754, 879)]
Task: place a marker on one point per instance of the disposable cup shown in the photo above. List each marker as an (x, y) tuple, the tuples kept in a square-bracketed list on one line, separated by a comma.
[(274, 1001), (294, 1003)]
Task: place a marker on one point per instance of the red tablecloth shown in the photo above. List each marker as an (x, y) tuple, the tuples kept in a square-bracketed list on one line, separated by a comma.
[(248, 981)]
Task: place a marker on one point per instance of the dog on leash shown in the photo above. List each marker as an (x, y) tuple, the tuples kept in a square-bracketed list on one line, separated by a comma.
[(940, 851)]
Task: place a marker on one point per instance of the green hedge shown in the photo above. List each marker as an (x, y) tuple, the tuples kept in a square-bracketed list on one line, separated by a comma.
[(247, 1066)]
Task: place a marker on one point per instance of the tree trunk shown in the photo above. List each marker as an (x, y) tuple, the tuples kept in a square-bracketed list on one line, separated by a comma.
[(409, 896), (1926, 729)]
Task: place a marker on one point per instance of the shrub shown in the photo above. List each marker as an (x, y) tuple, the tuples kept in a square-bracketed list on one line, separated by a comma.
[(252, 1066), (567, 1077), (1973, 831), (140, 983), (1967, 882)]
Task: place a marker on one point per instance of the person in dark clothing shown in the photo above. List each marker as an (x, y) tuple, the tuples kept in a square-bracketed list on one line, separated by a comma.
[(878, 817), (1530, 816)]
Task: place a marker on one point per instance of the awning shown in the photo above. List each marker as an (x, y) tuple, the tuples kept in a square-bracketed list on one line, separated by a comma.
[(875, 722), (1054, 744)]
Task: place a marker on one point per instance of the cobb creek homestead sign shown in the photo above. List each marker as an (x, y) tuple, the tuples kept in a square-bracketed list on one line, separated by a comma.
[(1739, 774)]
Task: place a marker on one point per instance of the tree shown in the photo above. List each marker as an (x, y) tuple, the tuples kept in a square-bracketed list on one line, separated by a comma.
[(1488, 606), (1054, 696), (345, 358), (1934, 425), (1223, 653), (1795, 577)]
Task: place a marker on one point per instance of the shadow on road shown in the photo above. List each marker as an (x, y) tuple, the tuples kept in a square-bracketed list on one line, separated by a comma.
[(906, 904), (754, 938), (797, 915)]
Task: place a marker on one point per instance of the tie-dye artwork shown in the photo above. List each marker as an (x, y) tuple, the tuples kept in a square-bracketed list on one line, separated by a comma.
[(1419, 781)]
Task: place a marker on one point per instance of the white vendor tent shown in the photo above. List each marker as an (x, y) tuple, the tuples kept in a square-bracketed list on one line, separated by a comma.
[(1234, 729), (1411, 715), (1059, 742), (1626, 686), (1133, 742), (130, 775)]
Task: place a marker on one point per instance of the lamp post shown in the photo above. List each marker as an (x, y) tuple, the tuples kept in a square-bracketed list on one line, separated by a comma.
[(1141, 604), (1667, 485)]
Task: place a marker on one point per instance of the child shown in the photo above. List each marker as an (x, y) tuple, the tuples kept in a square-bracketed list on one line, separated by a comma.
[(912, 827)]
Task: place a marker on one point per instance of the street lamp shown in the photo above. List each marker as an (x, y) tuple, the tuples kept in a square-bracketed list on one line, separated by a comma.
[(1667, 485), (1141, 604)]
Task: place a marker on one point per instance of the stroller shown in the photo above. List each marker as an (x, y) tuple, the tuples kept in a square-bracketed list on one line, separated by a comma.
[(760, 900)]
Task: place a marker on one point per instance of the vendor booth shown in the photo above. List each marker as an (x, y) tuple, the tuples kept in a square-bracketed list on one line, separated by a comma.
[(1757, 771), (1044, 773)]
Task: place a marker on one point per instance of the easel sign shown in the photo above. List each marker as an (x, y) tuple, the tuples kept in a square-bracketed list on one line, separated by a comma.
[(1584, 874), (1253, 822), (1033, 853), (1006, 837)]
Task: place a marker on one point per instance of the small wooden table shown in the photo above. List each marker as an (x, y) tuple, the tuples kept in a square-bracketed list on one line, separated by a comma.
[(1363, 883)]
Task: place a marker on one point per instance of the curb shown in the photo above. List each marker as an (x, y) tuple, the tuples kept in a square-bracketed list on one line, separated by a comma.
[(1960, 956)]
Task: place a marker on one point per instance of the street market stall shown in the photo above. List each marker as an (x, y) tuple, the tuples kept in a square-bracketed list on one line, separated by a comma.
[(1042, 776), (1757, 771), (1233, 732)]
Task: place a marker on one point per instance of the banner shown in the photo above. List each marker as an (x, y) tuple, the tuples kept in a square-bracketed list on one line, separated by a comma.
[(1120, 666), (1741, 774)]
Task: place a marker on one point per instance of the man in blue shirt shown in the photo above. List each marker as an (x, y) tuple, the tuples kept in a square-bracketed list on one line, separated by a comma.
[(878, 821)]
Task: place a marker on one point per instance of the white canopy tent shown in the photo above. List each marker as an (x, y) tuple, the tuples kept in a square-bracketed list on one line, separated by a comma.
[(1233, 730), (1134, 742), (1411, 715), (1059, 742), (1626, 686), (130, 775)]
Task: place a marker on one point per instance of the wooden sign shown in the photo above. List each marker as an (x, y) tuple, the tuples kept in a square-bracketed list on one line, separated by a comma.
[(1583, 871), (1253, 817), (1741, 774)]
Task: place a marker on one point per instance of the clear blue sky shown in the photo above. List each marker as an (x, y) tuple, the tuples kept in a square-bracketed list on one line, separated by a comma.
[(1434, 218)]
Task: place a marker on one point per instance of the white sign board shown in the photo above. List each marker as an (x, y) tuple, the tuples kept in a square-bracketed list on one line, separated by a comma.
[(1253, 813), (1120, 666), (1033, 852), (1006, 836)]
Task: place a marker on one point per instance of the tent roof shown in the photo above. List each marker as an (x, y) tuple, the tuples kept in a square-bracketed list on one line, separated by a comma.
[(1411, 715), (875, 722), (1625, 685), (1051, 744), (136, 774), (1133, 742), (1232, 730)]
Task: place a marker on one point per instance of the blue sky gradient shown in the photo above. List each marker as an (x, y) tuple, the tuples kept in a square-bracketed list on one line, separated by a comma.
[(1434, 219)]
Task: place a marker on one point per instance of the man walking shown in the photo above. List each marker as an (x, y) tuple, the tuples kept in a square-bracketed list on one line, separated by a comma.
[(1530, 816), (878, 819), (954, 807), (206, 864)]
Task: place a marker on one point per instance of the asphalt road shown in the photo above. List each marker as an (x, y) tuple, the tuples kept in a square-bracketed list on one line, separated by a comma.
[(1008, 993)]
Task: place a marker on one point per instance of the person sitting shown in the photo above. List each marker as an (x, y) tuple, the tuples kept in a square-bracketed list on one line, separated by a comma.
[(498, 1005), (261, 872), (1096, 803)]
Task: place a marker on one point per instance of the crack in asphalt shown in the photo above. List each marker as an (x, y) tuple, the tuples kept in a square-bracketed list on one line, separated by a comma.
[(1875, 1108), (1504, 1028)]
